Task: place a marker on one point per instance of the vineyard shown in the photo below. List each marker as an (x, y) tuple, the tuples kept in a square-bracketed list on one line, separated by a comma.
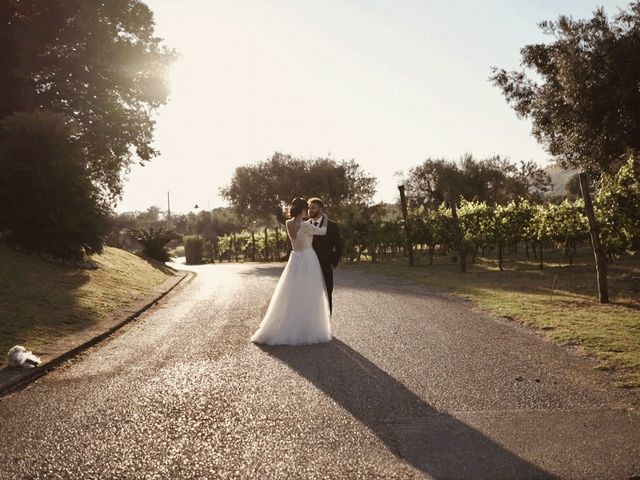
[(485, 229), (519, 225)]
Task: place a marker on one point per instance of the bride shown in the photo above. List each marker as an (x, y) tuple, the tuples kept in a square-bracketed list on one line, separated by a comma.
[(298, 313)]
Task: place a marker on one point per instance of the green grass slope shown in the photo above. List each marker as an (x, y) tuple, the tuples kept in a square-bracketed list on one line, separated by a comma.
[(41, 302)]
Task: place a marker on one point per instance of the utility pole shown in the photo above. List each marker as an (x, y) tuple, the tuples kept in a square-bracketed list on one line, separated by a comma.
[(168, 207), (407, 227)]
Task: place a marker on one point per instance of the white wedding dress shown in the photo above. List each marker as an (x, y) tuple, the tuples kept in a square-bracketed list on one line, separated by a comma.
[(298, 313)]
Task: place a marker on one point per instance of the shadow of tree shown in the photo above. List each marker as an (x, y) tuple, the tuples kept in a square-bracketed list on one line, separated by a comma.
[(38, 300), (432, 441), (166, 269)]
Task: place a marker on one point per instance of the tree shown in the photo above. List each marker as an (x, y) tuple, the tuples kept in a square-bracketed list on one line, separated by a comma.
[(581, 90), (97, 62), (581, 94), (493, 180), (48, 201), (441, 181), (262, 190), (572, 187), (153, 242)]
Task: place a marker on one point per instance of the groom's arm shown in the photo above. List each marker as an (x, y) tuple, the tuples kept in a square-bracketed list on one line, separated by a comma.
[(338, 245)]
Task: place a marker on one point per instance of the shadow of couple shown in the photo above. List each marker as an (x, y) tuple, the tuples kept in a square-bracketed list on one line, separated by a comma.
[(431, 441)]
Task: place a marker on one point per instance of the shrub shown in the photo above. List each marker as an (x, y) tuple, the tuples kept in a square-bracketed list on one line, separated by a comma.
[(153, 242), (49, 204), (618, 209), (193, 245)]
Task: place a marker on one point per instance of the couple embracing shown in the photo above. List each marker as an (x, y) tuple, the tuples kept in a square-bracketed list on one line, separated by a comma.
[(300, 308)]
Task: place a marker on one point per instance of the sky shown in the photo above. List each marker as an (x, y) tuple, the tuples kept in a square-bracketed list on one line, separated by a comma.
[(387, 83)]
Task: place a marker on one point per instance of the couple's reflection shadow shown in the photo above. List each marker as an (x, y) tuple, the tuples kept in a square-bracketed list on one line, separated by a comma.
[(434, 442)]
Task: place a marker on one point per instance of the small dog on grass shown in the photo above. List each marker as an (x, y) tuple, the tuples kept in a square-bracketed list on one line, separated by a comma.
[(19, 356)]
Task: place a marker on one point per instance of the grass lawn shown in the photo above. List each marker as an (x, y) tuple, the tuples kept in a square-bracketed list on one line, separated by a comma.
[(571, 316), (41, 302), (178, 251)]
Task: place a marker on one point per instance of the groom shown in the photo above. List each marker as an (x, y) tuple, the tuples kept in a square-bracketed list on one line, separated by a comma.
[(328, 247)]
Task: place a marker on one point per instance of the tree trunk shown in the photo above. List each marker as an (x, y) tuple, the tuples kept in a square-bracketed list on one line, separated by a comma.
[(500, 249), (407, 226), (253, 246), (235, 247), (373, 244), (573, 248), (594, 233), (460, 247), (541, 260), (266, 246)]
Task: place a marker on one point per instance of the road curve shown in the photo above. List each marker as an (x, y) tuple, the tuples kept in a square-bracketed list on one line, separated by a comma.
[(415, 384)]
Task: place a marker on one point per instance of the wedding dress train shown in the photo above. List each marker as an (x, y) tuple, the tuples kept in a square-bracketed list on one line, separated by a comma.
[(298, 312)]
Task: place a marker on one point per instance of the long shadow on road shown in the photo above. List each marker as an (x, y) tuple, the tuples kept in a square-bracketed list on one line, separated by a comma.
[(434, 442)]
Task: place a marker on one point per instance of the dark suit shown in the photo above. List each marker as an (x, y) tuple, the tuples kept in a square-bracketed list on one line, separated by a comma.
[(329, 250)]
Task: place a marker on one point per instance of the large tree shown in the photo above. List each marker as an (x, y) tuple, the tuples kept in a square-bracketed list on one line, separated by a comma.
[(97, 62), (494, 180), (47, 201), (580, 91), (263, 189)]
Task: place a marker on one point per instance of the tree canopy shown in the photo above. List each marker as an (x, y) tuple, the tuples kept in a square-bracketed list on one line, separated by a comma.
[(97, 62), (264, 188), (581, 90), (494, 180), (48, 202)]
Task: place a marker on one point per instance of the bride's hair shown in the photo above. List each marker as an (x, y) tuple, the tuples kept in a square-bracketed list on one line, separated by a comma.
[(297, 206)]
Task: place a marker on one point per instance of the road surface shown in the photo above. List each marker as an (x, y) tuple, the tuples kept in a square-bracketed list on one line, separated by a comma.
[(416, 384)]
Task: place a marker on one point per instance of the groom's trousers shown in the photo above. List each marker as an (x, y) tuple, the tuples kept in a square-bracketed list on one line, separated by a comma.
[(327, 273)]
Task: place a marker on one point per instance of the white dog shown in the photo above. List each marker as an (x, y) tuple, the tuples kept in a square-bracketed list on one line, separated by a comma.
[(19, 356)]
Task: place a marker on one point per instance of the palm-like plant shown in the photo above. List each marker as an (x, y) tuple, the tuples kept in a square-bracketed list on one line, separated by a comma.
[(153, 242)]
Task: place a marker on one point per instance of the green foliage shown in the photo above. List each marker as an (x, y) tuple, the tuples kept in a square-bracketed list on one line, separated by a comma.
[(273, 247), (153, 242), (581, 90), (431, 228), (48, 202), (97, 62), (193, 249), (618, 209), (262, 190), (377, 233), (477, 223), (493, 180), (511, 221)]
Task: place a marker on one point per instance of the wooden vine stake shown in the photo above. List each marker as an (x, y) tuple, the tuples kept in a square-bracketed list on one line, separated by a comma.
[(594, 232)]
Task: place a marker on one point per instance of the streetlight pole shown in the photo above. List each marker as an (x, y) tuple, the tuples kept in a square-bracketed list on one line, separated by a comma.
[(407, 227), (168, 207)]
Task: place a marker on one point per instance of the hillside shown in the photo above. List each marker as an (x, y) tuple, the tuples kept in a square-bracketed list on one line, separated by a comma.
[(40, 302)]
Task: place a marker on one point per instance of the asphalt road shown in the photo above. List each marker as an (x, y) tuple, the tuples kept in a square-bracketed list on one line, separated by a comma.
[(415, 384)]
